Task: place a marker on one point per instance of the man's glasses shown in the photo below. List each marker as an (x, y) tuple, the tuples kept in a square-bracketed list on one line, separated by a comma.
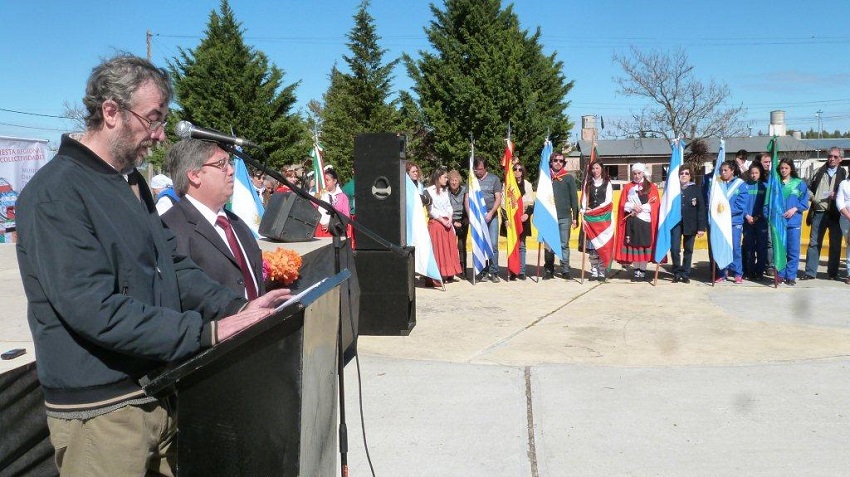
[(220, 164), (152, 125), (834, 156)]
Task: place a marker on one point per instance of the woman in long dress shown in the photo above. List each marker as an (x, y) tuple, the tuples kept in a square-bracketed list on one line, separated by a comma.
[(443, 239), (637, 221)]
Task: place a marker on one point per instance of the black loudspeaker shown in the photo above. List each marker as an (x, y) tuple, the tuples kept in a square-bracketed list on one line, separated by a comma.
[(289, 218), (387, 292), (379, 188)]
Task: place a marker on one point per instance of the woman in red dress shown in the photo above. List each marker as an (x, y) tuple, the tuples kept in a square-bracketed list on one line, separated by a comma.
[(443, 238), (637, 221)]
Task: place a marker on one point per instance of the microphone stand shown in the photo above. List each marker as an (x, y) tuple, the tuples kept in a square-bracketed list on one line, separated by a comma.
[(337, 227)]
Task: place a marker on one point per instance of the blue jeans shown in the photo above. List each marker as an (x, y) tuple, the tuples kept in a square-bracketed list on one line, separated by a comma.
[(549, 256), (821, 223), (792, 250), (493, 227)]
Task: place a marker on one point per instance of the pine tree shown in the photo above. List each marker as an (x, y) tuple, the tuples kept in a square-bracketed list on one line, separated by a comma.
[(358, 102), (227, 85), (485, 72)]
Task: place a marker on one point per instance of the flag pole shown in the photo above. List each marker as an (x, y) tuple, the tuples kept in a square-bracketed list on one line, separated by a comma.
[(655, 280)]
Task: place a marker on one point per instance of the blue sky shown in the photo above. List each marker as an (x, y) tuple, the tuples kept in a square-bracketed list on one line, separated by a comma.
[(773, 55)]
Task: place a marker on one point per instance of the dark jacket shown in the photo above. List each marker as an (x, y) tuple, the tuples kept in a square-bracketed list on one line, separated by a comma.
[(109, 299), (694, 217), (840, 175), (198, 239), (566, 197)]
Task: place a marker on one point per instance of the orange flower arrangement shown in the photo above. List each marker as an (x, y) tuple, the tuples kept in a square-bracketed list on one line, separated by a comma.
[(281, 266)]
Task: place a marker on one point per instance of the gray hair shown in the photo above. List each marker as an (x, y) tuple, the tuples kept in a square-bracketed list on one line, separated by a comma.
[(118, 78), (187, 155)]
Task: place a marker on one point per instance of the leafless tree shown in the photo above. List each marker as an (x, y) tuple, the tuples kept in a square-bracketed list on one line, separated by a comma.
[(76, 113), (681, 104)]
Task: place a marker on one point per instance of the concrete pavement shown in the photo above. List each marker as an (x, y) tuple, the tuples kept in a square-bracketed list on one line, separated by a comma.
[(561, 378)]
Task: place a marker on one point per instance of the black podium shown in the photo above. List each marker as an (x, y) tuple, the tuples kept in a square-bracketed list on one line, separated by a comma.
[(265, 401)]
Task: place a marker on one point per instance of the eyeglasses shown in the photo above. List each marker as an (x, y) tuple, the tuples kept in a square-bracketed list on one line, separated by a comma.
[(684, 173), (152, 125), (558, 160), (834, 156), (221, 164), (517, 169)]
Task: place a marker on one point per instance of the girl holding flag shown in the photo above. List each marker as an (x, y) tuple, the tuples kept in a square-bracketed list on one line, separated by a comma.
[(736, 193), (596, 198), (795, 196)]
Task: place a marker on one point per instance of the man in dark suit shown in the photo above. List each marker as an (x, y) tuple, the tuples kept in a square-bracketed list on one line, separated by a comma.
[(693, 225), (203, 177)]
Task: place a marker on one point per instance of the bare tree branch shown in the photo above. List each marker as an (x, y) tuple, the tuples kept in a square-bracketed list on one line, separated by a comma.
[(683, 105)]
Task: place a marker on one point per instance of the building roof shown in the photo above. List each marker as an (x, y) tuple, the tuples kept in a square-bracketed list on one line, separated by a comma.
[(659, 147)]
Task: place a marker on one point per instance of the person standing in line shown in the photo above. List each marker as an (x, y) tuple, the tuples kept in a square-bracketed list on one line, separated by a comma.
[(460, 219), (754, 247), (443, 239), (415, 173), (637, 217), (216, 239), (692, 225), (110, 300), (766, 164), (842, 202), (491, 190), (163, 193), (528, 207), (333, 195), (597, 194), (735, 191), (742, 165), (566, 207), (795, 202), (824, 217)]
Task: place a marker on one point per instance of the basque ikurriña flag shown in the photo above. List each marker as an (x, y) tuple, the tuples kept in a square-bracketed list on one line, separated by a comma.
[(670, 212), (598, 226), (513, 209), (774, 204), (545, 218), (482, 247), (720, 216), (317, 153)]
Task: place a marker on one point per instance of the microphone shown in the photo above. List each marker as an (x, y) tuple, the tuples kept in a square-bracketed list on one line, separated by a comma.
[(187, 130)]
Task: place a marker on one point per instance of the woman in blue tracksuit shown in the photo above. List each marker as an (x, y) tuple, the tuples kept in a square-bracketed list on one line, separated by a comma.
[(795, 196), (755, 224), (736, 192)]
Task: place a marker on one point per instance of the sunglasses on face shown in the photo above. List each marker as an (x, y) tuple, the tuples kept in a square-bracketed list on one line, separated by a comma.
[(560, 161), (684, 173)]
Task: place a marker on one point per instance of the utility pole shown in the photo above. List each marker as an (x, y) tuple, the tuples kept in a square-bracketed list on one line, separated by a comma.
[(149, 35), (820, 123)]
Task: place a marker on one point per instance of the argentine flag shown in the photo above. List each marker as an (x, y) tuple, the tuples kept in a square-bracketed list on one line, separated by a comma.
[(670, 212), (720, 216), (424, 262), (482, 248), (245, 201), (545, 219)]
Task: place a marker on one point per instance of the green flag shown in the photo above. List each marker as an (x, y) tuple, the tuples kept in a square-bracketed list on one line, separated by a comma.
[(774, 206)]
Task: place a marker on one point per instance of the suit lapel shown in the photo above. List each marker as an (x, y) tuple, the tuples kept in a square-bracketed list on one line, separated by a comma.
[(206, 230)]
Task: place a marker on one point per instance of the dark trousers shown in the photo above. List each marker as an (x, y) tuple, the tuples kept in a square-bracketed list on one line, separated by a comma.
[(755, 247), (823, 222), (462, 233), (677, 238)]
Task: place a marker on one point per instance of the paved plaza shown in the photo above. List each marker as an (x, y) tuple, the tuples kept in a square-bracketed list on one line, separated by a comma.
[(559, 378)]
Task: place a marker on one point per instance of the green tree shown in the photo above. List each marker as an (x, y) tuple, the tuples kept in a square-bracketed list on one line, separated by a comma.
[(359, 101), (483, 73), (227, 85)]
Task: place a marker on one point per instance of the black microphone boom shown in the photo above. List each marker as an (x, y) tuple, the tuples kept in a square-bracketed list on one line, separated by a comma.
[(186, 130)]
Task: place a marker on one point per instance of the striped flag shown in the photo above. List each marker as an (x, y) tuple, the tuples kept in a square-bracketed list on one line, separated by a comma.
[(720, 216), (317, 153), (424, 261), (774, 204), (482, 248), (670, 212), (597, 223), (545, 219), (513, 209), (245, 201)]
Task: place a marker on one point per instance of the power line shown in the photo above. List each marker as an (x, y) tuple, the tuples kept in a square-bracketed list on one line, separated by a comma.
[(31, 127), (35, 114)]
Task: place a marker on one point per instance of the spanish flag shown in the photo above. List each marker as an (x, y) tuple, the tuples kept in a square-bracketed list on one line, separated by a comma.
[(513, 209)]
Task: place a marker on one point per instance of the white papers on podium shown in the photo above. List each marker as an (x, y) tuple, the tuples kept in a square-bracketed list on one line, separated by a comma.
[(305, 297)]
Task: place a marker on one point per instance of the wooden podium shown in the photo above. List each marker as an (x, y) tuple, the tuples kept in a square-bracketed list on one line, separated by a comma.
[(265, 401)]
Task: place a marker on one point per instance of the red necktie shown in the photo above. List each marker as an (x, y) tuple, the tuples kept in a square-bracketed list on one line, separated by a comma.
[(222, 222)]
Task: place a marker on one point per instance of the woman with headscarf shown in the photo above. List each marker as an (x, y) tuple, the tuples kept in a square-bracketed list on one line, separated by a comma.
[(637, 222)]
